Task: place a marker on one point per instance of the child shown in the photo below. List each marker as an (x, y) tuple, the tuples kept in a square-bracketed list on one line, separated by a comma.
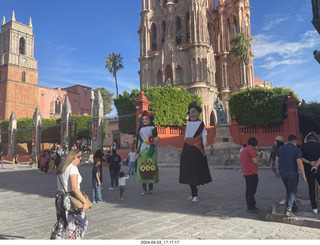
[(122, 183), (15, 161), (96, 184), (125, 161)]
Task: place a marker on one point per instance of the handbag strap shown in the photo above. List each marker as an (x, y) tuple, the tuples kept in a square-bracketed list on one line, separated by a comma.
[(61, 184)]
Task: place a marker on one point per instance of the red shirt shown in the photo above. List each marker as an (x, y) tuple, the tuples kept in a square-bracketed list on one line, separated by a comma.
[(246, 155)]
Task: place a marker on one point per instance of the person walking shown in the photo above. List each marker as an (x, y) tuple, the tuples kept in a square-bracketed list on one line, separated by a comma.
[(194, 170), (288, 161), (132, 158), (249, 165), (310, 158), (68, 181), (114, 168), (96, 184), (279, 141), (147, 165)]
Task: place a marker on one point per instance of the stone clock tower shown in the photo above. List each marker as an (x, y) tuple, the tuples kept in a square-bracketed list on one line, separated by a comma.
[(18, 70)]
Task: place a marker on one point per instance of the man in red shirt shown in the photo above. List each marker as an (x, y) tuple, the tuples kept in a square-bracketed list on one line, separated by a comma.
[(249, 164)]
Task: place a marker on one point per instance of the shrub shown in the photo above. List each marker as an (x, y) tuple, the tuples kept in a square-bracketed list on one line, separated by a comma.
[(259, 106)]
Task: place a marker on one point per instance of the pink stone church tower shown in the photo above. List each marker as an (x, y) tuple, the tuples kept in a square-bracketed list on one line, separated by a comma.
[(187, 43)]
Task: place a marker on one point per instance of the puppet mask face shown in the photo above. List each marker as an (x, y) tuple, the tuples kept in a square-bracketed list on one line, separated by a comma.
[(145, 120), (194, 114)]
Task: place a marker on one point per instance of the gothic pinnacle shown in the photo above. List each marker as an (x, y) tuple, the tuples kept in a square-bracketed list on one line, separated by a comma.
[(30, 22), (3, 20), (13, 18)]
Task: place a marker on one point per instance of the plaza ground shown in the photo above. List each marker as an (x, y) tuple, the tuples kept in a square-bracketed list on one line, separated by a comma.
[(28, 212)]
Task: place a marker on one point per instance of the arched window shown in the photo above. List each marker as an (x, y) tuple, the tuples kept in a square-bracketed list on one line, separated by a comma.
[(153, 37), (179, 74), (23, 77), (163, 31), (57, 106), (187, 26), (22, 46), (159, 78), (178, 31)]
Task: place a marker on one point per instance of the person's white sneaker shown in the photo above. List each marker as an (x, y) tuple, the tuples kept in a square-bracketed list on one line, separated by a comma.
[(110, 189), (315, 211), (142, 193), (195, 199), (283, 202), (189, 198)]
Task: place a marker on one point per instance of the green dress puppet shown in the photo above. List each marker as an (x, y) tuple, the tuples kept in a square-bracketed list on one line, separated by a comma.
[(147, 166)]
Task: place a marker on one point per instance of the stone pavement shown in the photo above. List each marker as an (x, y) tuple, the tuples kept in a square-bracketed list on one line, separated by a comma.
[(27, 208)]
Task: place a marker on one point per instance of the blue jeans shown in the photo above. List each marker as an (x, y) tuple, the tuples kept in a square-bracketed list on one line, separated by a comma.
[(114, 174), (131, 167), (96, 188), (290, 181), (273, 167)]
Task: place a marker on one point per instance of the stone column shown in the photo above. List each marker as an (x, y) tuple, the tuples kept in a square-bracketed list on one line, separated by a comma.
[(36, 131), (141, 104), (97, 122), (66, 123), (12, 134), (292, 126)]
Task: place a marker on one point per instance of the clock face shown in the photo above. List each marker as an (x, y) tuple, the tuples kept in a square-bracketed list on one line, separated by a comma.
[(23, 61)]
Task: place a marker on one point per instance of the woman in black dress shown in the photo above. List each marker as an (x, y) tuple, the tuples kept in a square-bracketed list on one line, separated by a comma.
[(194, 170)]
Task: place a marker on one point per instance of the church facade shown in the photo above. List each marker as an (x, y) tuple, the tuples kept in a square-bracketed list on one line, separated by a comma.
[(187, 43), (19, 89)]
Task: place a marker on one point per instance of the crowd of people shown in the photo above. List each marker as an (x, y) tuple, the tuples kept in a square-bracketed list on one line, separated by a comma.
[(287, 161)]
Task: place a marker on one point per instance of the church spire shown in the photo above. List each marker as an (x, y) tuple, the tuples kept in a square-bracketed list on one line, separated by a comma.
[(30, 22), (13, 18), (3, 20)]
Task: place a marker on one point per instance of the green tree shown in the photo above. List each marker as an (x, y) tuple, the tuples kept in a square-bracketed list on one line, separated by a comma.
[(126, 111), (107, 99), (309, 118), (241, 47), (114, 64)]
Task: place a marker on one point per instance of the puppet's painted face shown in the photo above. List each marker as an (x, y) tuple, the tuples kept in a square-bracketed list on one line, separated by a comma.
[(194, 114), (145, 120)]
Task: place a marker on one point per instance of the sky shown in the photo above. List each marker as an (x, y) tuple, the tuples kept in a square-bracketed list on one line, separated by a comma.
[(73, 37)]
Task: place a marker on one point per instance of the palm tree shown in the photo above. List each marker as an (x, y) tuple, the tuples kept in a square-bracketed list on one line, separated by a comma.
[(241, 47), (114, 64)]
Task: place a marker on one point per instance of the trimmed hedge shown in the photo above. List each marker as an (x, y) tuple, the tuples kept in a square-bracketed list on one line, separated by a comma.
[(168, 104), (259, 106)]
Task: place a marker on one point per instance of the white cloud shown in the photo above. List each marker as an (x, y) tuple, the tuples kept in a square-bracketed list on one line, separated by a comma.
[(274, 22), (277, 52)]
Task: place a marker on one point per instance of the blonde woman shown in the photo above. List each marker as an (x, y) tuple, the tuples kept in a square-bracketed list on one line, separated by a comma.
[(68, 180)]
